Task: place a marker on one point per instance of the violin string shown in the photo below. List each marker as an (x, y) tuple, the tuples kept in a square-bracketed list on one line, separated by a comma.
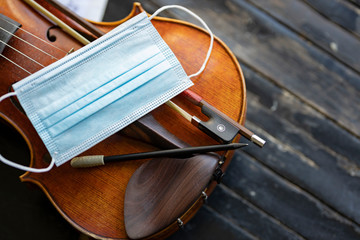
[(15, 64), (29, 43), (22, 53), (33, 35)]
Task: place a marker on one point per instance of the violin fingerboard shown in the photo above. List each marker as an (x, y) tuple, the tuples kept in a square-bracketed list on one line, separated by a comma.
[(8, 28)]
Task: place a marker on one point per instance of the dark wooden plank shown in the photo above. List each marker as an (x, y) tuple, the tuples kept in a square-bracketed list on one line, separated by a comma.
[(304, 146), (207, 224), (283, 105), (294, 64), (244, 214), (307, 22), (356, 2), (340, 11), (286, 202)]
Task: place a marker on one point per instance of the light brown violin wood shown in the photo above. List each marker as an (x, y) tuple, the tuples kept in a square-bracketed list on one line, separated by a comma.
[(92, 200)]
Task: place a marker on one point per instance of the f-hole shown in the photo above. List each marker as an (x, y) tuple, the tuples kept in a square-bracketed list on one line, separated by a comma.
[(51, 38)]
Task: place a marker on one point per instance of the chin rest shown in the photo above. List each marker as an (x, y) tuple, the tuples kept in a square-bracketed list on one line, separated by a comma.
[(162, 190)]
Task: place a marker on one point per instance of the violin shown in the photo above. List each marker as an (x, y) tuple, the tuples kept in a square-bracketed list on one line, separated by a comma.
[(93, 199)]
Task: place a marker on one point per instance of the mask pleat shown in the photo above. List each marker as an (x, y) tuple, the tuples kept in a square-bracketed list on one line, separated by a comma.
[(74, 91), (102, 97)]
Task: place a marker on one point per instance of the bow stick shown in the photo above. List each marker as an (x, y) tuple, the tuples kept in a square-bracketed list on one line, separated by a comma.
[(177, 153)]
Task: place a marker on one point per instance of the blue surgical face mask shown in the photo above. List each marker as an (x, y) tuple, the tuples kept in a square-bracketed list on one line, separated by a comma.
[(89, 95)]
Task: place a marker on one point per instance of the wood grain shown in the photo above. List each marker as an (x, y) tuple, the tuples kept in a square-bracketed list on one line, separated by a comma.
[(287, 203), (303, 99), (162, 190), (324, 154), (306, 22), (341, 12), (92, 200)]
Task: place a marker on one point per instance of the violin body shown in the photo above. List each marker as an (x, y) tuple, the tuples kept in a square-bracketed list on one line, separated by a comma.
[(92, 199)]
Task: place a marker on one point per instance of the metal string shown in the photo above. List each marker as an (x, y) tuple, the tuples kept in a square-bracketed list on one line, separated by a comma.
[(28, 43), (33, 35), (39, 49), (22, 53), (15, 64)]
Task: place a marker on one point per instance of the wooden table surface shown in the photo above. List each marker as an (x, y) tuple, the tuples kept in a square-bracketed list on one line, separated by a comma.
[(301, 63)]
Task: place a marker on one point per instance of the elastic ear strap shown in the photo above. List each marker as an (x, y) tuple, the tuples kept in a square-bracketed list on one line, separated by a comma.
[(202, 22), (16, 165), (27, 169), (10, 94)]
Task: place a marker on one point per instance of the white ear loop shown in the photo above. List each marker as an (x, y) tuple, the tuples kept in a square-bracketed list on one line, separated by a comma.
[(16, 165), (202, 22)]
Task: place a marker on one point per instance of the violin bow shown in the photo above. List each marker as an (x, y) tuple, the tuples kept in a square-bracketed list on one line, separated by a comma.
[(220, 127)]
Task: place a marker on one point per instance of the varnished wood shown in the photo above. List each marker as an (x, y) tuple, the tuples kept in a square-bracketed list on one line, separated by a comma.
[(54, 8), (161, 191), (76, 18), (304, 183), (92, 200)]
